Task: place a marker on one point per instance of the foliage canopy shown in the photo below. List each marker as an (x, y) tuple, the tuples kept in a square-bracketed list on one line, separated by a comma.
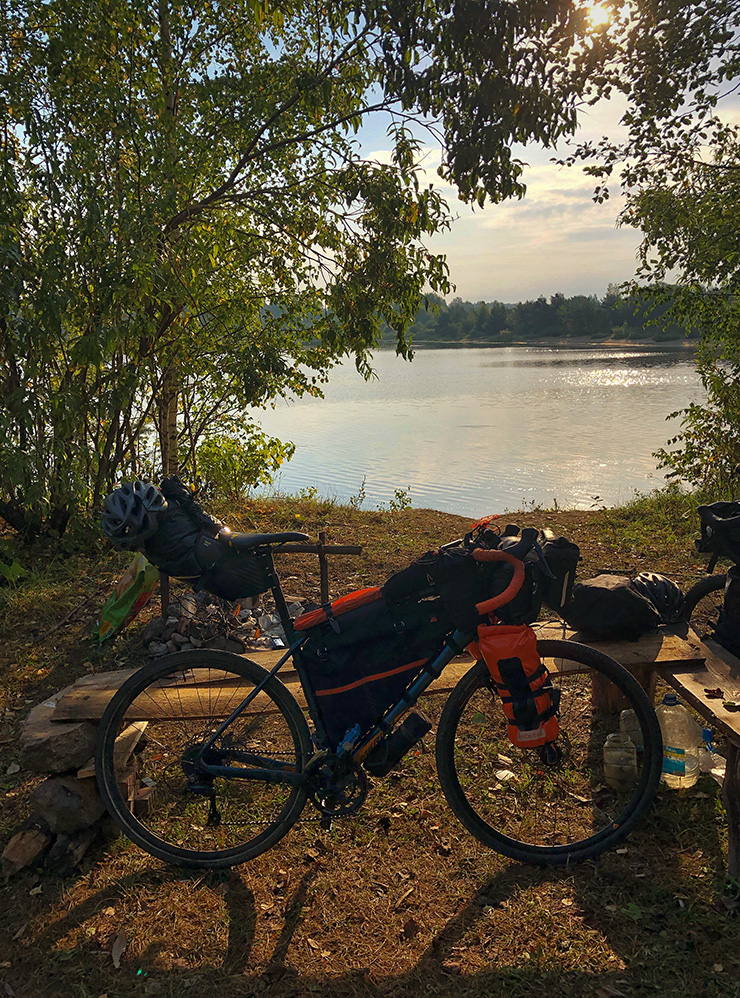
[(188, 228)]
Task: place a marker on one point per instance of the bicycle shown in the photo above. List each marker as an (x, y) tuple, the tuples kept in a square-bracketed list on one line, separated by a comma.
[(720, 533), (229, 762)]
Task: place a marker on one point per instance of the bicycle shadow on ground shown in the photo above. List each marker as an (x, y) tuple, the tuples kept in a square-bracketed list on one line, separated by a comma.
[(437, 967)]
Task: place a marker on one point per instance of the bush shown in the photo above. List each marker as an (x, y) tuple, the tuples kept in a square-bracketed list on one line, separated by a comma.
[(228, 467)]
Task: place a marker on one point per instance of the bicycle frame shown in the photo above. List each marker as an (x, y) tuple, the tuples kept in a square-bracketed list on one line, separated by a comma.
[(273, 771)]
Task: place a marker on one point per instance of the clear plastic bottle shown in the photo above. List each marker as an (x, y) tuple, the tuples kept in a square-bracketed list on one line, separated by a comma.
[(620, 762), (630, 725), (681, 736), (710, 761)]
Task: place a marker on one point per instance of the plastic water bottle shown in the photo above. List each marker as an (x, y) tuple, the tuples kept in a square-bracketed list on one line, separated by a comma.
[(681, 736), (620, 762), (630, 725), (710, 761)]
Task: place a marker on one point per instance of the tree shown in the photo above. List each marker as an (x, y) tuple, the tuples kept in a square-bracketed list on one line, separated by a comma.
[(679, 169), (187, 228)]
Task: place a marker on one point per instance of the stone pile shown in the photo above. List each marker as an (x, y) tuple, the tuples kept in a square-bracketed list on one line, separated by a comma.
[(201, 620), (68, 813)]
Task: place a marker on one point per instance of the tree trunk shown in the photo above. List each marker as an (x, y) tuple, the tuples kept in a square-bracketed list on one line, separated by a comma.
[(168, 426)]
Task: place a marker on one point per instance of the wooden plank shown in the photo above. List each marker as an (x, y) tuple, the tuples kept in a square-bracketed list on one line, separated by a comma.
[(721, 670), (191, 699), (666, 646)]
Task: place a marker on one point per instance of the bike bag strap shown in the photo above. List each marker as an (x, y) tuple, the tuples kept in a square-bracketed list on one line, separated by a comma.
[(351, 601), (522, 682)]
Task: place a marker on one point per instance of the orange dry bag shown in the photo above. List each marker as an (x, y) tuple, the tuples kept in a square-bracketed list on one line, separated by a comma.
[(522, 682)]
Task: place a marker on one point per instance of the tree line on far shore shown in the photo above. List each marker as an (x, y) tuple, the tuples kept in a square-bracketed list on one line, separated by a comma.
[(613, 317)]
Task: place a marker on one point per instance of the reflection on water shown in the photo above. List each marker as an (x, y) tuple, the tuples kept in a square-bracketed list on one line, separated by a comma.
[(479, 430)]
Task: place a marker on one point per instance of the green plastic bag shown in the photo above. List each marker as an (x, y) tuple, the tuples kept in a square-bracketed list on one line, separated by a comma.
[(132, 593)]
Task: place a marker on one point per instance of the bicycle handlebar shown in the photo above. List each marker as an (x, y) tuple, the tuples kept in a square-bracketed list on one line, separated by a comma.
[(489, 605)]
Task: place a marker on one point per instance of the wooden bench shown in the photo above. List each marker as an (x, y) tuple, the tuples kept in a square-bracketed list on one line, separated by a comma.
[(691, 666), (677, 656)]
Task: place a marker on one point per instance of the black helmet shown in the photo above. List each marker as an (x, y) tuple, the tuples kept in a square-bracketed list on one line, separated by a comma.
[(665, 595), (130, 514)]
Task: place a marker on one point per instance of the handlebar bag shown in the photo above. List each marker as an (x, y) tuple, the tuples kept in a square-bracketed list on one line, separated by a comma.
[(562, 557), (360, 662), (720, 529), (522, 682)]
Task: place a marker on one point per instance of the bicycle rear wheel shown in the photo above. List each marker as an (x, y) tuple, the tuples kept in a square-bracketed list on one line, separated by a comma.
[(702, 603), (528, 810), (182, 816)]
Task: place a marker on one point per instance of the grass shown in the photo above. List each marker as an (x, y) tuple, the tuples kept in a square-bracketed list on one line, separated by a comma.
[(396, 901)]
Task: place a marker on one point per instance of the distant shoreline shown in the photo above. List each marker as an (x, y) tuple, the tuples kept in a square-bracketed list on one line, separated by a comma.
[(553, 344)]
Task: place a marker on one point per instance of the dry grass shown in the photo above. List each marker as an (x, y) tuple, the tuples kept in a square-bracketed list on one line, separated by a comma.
[(397, 901)]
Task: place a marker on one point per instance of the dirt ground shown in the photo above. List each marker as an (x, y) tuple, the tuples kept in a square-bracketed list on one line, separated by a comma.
[(399, 900)]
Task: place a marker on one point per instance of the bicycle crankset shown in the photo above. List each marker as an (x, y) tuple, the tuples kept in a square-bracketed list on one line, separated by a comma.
[(336, 787)]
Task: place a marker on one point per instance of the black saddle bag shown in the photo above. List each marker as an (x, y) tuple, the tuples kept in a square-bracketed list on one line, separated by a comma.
[(186, 548)]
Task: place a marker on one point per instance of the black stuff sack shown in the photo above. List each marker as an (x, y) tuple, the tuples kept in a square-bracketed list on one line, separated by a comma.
[(360, 662), (562, 558), (609, 607)]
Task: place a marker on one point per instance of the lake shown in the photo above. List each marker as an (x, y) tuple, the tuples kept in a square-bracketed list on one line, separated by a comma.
[(475, 431)]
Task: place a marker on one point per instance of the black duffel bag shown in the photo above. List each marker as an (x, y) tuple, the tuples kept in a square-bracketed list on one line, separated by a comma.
[(609, 607)]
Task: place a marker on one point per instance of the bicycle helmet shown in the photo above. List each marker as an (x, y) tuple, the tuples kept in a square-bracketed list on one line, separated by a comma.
[(665, 595), (131, 512)]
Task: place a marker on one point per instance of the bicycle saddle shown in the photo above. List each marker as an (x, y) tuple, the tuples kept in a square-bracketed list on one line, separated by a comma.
[(242, 542)]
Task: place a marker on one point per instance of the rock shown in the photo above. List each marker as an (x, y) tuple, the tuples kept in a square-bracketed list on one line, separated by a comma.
[(153, 630), (158, 649), (195, 642), (171, 646), (218, 642), (236, 647), (183, 628), (179, 639), (67, 804), (48, 746)]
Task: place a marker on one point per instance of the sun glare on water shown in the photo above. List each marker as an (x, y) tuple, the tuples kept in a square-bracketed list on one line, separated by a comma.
[(598, 14)]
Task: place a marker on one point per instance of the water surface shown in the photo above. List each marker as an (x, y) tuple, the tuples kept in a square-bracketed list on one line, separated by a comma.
[(475, 431)]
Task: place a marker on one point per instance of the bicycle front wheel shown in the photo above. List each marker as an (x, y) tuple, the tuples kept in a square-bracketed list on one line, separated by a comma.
[(542, 813), (158, 796)]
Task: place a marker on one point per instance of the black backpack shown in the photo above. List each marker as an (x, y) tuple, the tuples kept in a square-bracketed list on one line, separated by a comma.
[(609, 607)]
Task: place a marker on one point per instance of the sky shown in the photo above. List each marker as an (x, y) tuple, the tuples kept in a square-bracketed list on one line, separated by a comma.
[(554, 240)]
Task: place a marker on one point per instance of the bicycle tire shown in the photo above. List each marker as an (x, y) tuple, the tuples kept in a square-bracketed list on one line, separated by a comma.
[(699, 608), (183, 697), (489, 802)]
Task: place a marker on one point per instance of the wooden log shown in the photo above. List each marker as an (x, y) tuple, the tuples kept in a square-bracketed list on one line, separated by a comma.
[(123, 749), (25, 846)]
